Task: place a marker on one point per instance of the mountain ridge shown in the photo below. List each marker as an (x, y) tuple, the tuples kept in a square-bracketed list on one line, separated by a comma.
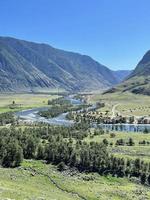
[(138, 81), (25, 66)]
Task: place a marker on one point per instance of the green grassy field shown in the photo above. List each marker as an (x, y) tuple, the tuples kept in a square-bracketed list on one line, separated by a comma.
[(38, 181), (128, 104), (136, 151), (24, 101)]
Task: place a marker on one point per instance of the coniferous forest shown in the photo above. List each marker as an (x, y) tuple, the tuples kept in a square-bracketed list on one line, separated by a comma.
[(64, 146)]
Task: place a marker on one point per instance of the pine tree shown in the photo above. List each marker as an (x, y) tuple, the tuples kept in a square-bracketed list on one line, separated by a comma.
[(148, 179), (143, 178), (40, 152)]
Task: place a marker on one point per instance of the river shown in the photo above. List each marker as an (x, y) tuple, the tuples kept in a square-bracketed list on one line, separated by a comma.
[(32, 115)]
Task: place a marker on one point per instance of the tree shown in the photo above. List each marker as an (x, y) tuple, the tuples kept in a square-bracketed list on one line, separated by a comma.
[(30, 147), (143, 178), (130, 143), (73, 159), (105, 141), (148, 179), (120, 142), (131, 119), (136, 168), (40, 152), (112, 135), (13, 155), (18, 157), (137, 163), (146, 130), (84, 158)]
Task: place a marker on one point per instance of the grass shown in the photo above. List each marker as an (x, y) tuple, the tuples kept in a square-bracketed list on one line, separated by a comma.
[(22, 184), (129, 104), (132, 152), (26, 101), (118, 135), (31, 181)]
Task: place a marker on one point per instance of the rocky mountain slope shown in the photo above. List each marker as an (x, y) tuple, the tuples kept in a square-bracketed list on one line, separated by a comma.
[(26, 66)]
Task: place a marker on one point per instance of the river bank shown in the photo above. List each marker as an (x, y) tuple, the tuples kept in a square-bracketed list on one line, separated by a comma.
[(32, 116)]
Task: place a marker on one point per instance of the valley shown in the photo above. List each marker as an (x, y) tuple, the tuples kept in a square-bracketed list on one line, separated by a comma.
[(74, 100), (57, 177)]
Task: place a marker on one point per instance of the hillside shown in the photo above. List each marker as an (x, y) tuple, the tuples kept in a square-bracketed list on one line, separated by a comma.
[(50, 184), (138, 81), (27, 66)]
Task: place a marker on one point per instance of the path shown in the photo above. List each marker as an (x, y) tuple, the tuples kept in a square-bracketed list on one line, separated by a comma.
[(114, 111), (56, 184)]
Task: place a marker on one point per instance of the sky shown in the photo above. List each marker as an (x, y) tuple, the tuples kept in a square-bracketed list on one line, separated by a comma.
[(116, 33)]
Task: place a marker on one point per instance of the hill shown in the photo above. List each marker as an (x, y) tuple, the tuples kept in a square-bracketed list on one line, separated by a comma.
[(28, 66), (138, 81), (46, 182)]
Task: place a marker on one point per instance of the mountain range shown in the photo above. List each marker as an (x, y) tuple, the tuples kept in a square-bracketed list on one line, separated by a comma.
[(29, 66), (138, 81)]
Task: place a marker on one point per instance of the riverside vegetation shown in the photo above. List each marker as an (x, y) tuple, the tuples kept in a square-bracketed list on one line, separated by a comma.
[(59, 106)]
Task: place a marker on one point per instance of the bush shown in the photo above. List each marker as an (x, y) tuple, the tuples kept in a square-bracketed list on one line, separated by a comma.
[(112, 135), (61, 166)]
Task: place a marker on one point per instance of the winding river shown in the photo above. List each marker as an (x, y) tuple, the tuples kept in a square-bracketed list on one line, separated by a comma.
[(32, 115)]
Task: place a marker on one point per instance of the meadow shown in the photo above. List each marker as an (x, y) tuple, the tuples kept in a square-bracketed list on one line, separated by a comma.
[(127, 104), (39, 181), (24, 101), (137, 150)]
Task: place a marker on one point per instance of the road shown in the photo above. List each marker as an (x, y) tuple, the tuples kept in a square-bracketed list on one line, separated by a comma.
[(114, 111)]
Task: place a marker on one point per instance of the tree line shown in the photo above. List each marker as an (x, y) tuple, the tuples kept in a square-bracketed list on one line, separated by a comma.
[(64, 146)]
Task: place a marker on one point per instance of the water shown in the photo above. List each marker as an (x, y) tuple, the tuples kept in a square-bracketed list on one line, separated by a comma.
[(33, 116), (73, 101), (125, 127)]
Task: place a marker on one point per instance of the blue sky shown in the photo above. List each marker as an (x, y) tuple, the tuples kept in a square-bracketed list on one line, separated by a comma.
[(114, 32)]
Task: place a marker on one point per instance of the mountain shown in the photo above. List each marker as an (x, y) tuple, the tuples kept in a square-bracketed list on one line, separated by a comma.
[(138, 81), (120, 75), (27, 66)]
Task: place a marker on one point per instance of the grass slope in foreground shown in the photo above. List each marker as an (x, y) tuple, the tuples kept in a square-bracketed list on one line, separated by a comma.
[(31, 181)]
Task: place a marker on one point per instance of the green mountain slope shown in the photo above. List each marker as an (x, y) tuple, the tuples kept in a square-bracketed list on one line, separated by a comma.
[(138, 81), (25, 66)]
